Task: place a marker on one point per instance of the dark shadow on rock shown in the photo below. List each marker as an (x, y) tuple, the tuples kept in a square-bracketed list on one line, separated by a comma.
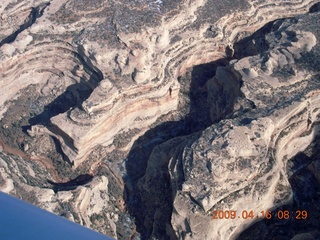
[(255, 43), (59, 150), (74, 95), (139, 203), (198, 117), (36, 12), (315, 8), (71, 98), (72, 184), (196, 120)]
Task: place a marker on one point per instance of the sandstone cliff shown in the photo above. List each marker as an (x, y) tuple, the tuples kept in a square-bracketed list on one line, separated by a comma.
[(111, 69), (88, 203), (177, 108), (241, 163)]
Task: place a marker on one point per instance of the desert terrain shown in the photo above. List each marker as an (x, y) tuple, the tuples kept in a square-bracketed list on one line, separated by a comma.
[(142, 119)]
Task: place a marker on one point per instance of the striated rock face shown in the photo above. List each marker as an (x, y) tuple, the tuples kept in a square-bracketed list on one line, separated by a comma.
[(242, 163), (87, 203), (95, 54), (304, 180), (178, 108), (88, 200)]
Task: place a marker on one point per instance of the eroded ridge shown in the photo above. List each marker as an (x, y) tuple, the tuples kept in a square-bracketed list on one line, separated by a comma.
[(83, 74), (241, 164), (79, 202), (139, 69)]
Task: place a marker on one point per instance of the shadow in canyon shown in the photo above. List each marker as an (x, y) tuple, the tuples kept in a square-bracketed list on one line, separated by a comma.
[(143, 205), (71, 98), (59, 151), (204, 110), (256, 43), (305, 184), (74, 95), (72, 184), (305, 181), (197, 119), (315, 8), (36, 12)]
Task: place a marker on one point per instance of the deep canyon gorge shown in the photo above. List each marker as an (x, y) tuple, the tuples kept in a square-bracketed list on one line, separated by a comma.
[(140, 118)]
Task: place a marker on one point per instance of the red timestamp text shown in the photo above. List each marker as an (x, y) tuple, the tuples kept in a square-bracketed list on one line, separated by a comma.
[(250, 214)]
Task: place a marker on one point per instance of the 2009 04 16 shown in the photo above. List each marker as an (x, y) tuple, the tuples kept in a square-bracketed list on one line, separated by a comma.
[(280, 214)]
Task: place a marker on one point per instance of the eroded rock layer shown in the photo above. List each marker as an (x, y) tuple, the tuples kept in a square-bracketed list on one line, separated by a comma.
[(86, 202), (240, 164), (177, 97), (117, 73)]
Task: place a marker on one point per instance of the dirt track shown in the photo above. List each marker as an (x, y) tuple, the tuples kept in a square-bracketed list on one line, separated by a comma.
[(45, 162)]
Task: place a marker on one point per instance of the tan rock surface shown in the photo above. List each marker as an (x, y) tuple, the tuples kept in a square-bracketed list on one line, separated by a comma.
[(88, 205), (141, 66), (93, 87), (240, 164)]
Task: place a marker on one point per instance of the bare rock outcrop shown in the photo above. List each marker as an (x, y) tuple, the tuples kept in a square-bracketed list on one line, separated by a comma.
[(241, 163), (92, 91), (137, 64), (85, 202)]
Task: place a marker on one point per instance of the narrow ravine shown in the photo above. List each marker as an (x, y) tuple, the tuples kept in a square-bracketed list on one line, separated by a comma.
[(145, 206), (195, 114), (35, 13)]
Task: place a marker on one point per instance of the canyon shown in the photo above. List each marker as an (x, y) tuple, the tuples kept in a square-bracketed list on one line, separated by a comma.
[(138, 119)]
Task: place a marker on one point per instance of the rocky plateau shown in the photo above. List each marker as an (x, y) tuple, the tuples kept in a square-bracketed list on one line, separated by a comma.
[(140, 119)]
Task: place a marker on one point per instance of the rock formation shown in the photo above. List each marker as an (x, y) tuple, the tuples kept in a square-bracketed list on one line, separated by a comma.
[(241, 163), (138, 67), (185, 106), (86, 200)]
